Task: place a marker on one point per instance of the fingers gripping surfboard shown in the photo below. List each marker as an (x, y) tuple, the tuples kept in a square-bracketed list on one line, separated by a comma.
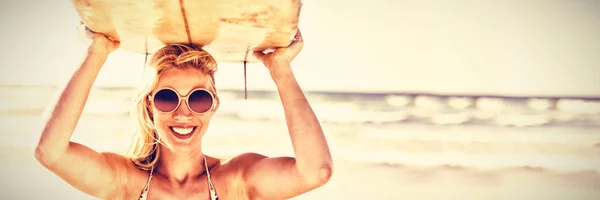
[(224, 28)]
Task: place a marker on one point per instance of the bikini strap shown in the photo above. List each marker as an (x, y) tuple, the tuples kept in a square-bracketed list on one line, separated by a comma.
[(144, 194), (211, 187), (147, 187)]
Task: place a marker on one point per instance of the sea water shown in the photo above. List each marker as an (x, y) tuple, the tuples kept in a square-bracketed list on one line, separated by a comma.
[(387, 129)]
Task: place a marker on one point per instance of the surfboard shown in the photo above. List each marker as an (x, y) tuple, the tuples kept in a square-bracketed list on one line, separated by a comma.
[(224, 28)]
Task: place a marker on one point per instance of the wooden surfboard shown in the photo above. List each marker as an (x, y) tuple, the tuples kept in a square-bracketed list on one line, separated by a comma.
[(225, 28)]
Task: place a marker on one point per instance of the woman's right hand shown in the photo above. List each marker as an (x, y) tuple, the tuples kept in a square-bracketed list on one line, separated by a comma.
[(100, 42)]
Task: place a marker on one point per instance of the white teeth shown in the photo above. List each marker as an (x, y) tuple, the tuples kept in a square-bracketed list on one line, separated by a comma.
[(183, 131)]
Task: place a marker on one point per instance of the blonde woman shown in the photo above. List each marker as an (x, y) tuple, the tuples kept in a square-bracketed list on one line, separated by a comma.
[(174, 111)]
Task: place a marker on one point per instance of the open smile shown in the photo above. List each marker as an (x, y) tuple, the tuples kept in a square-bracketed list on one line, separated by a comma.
[(182, 132)]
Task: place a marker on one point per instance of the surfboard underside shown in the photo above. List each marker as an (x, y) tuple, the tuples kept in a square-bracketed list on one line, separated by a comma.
[(225, 28)]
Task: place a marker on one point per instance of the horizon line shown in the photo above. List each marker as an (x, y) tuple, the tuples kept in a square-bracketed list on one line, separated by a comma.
[(372, 92)]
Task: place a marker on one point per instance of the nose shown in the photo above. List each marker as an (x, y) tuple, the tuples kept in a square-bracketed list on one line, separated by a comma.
[(183, 113)]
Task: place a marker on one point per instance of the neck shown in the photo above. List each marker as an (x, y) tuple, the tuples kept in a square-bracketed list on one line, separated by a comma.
[(180, 167)]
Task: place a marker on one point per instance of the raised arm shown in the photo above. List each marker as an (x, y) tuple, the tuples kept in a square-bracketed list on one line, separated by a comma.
[(283, 177), (83, 168)]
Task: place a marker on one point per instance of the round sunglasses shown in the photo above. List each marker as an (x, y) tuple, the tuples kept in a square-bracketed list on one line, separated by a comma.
[(168, 100)]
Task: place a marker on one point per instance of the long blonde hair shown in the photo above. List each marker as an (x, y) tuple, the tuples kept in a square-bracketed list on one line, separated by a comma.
[(144, 150)]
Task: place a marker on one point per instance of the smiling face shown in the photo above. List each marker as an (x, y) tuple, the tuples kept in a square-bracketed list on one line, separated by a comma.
[(182, 129), (183, 68)]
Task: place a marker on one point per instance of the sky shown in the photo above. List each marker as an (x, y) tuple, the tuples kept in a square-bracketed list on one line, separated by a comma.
[(510, 47)]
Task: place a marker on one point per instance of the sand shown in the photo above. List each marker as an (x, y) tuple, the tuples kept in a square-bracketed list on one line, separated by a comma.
[(565, 158), (23, 178)]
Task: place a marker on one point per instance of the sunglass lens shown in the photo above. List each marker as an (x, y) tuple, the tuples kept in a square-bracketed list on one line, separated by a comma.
[(200, 101), (166, 100)]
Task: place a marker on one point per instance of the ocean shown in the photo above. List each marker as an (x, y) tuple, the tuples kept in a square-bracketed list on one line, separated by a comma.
[(388, 146), (375, 128)]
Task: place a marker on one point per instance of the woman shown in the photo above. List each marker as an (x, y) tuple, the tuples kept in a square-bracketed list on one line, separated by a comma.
[(174, 111)]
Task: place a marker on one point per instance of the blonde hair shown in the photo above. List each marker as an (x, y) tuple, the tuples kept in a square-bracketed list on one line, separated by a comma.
[(144, 150)]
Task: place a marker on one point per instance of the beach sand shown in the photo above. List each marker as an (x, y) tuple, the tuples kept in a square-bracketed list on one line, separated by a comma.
[(411, 159), (23, 178)]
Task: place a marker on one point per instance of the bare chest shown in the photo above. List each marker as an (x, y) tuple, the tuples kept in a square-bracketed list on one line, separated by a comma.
[(226, 188), (195, 191)]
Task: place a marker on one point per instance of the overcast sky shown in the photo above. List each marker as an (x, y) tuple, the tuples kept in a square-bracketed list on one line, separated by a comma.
[(514, 47)]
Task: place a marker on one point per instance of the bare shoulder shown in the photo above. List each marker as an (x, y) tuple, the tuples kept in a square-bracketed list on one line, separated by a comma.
[(129, 179), (245, 158), (256, 174), (245, 161), (120, 164), (115, 157), (236, 164), (246, 164), (238, 167)]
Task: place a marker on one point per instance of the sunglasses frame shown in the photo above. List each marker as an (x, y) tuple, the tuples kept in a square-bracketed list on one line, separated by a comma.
[(183, 98)]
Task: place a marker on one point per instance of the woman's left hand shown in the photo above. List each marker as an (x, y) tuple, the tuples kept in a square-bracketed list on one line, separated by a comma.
[(281, 57)]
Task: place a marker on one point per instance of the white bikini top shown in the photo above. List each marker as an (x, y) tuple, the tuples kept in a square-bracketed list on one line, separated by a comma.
[(211, 187)]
